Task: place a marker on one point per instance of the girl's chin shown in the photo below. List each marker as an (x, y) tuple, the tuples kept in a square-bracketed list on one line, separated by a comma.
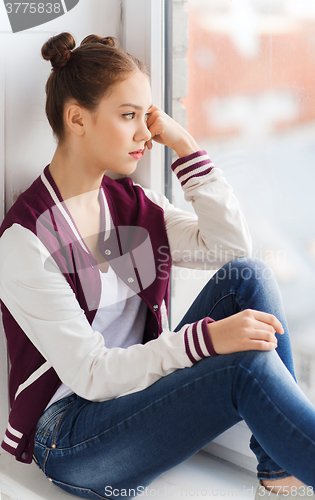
[(124, 170)]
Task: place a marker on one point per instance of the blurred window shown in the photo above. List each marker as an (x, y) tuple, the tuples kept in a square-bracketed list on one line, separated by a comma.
[(250, 102)]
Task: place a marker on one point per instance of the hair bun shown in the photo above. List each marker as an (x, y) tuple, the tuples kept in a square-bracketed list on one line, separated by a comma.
[(57, 49), (108, 40)]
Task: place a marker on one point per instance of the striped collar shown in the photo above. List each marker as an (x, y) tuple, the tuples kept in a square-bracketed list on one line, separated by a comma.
[(59, 204)]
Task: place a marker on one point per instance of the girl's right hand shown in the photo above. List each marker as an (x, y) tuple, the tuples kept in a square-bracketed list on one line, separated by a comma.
[(245, 331), (167, 131)]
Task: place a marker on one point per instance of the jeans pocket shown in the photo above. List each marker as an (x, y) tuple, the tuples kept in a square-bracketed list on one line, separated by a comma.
[(47, 429), (44, 439)]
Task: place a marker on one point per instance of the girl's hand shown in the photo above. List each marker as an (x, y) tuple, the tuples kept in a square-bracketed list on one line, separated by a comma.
[(168, 132), (245, 331)]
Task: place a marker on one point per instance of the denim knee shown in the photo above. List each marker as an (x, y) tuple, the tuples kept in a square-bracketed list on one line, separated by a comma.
[(247, 268), (252, 280)]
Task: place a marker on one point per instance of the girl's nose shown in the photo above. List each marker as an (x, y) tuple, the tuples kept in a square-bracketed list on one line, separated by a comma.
[(143, 133)]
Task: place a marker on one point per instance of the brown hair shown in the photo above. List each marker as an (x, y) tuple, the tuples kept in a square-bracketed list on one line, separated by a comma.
[(85, 74)]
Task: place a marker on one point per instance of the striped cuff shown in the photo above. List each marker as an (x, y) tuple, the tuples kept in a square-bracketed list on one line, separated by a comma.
[(11, 439), (198, 343), (194, 165)]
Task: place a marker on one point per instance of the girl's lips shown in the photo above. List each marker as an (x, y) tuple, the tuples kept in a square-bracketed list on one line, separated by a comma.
[(137, 154)]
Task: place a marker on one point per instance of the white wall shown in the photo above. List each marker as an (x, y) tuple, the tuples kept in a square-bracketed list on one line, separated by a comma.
[(26, 141), (29, 144)]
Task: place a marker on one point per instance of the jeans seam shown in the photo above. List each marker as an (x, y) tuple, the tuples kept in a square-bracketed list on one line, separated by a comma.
[(48, 448), (146, 407), (276, 406), (241, 306), (45, 460), (36, 461), (57, 428), (77, 488), (53, 440), (47, 432), (50, 416), (273, 472)]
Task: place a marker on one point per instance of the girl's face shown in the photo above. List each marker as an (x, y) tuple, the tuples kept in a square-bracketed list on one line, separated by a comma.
[(117, 132)]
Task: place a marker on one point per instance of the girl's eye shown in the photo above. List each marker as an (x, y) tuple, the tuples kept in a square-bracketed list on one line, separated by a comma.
[(132, 115)]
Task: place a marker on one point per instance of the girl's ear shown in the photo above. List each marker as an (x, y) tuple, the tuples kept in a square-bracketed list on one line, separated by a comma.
[(75, 119)]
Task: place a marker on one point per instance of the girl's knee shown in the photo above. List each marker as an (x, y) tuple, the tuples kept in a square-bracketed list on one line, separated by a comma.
[(246, 269), (267, 367)]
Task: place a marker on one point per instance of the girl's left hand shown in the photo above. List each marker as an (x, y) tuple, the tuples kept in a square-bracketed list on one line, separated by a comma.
[(165, 130)]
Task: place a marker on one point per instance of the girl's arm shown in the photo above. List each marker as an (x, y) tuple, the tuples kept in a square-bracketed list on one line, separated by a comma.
[(217, 232), (43, 304), (45, 307)]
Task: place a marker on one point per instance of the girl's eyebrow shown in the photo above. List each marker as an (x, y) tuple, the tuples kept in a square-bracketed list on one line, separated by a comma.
[(135, 106)]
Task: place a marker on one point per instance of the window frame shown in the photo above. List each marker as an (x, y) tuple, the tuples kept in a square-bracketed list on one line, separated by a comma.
[(4, 393), (143, 37)]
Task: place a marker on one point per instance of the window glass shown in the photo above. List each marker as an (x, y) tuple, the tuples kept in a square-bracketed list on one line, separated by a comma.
[(250, 102)]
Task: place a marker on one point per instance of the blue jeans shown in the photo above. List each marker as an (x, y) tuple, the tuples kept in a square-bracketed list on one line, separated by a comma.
[(104, 449)]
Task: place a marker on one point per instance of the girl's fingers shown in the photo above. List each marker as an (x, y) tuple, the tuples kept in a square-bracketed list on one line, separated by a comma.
[(264, 336), (244, 331), (153, 113), (259, 325), (260, 345), (153, 121), (269, 319)]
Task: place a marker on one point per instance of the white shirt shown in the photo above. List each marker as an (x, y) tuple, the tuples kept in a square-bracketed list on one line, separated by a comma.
[(120, 318)]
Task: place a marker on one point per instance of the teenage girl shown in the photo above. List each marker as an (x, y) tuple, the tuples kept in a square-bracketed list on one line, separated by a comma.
[(104, 397)]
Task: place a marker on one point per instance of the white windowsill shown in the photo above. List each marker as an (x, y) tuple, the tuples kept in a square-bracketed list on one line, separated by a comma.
[(233, 446)]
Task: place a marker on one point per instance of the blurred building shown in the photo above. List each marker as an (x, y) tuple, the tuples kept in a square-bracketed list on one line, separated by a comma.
[(250, 103), (253, 63)]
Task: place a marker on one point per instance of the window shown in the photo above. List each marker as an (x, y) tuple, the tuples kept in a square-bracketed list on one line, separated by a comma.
[(249, 100), (244, 87)]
